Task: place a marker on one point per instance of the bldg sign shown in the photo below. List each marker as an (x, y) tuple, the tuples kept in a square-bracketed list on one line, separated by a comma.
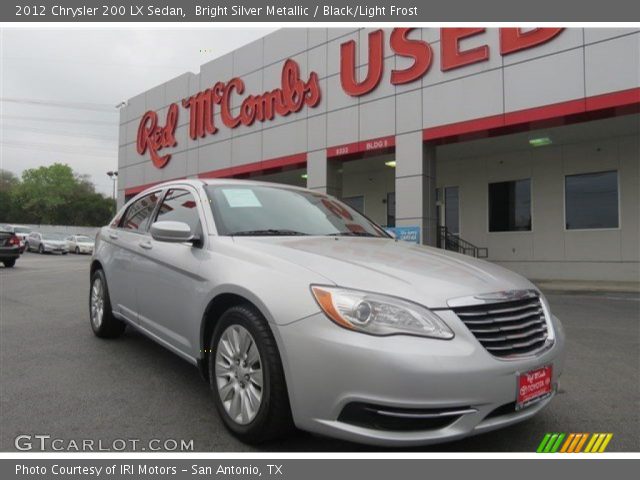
[(292, 95), (407, 234), (451, 55), (296, 93)]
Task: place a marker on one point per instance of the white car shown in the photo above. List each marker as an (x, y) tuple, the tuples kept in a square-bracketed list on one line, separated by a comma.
[(80, 244)]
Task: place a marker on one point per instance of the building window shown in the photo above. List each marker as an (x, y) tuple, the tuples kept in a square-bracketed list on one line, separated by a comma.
[(510, 206), (591, 200)]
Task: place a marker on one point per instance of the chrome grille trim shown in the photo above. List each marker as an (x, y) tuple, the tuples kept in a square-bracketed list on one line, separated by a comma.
[(514, 325)]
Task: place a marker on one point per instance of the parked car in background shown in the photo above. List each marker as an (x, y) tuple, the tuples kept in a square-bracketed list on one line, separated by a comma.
[(9, 247), (80, 244), (301, 311), (21, 232), (48, 243)]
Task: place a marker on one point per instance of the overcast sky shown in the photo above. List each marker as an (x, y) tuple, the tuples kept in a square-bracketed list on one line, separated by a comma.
[(59, 88)]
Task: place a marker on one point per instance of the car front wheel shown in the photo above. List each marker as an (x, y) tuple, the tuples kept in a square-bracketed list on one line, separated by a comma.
[(41, 249), (9, 263), (246, 375), (103, 323)]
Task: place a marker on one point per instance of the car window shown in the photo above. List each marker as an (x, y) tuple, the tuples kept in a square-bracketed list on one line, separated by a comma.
[(180, 206), (137, 215), (274, 210)]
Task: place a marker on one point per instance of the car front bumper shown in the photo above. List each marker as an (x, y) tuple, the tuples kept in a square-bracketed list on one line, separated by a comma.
[(54, 249), (328, 367)]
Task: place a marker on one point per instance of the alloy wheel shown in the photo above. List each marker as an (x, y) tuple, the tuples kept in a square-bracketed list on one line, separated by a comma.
[(97, 303), (239, 375)]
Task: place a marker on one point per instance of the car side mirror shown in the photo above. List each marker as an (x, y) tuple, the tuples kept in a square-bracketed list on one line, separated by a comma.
[(172, 232)]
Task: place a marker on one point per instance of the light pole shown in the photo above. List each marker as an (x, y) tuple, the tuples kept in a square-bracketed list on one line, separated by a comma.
[(113, 174)]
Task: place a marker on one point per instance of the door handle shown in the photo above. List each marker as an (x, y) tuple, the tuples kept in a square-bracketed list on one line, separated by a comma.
[(146, 245), (113, 236)]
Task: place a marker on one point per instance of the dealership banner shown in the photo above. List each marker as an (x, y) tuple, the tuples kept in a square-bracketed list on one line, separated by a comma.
[(312, 469), (314, 11)]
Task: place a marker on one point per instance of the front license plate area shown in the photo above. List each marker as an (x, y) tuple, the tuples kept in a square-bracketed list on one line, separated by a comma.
[(534, 386)]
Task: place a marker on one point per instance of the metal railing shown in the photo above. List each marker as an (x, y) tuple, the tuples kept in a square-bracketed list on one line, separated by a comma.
[(450, 241)]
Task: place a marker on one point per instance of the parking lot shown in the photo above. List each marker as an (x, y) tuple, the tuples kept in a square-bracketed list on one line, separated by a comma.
[(57, 379)]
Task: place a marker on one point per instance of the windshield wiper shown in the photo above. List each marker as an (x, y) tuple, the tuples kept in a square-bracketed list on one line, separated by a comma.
[(351, 234), (267, 232)]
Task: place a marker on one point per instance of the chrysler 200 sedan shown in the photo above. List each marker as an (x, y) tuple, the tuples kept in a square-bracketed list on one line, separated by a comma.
[(299, 311)]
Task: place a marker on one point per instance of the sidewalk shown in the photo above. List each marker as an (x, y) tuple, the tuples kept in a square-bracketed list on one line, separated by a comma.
[(587, 286)]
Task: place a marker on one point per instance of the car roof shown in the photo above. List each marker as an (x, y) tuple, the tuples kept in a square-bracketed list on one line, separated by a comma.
[(215, 181)]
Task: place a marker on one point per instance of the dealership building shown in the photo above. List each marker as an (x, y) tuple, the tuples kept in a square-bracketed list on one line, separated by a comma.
[(518, 145)]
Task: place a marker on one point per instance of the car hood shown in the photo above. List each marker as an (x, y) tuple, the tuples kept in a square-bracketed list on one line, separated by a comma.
[(426, 275)]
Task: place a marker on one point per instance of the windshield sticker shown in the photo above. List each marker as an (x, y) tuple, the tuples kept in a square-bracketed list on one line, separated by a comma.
[(241, 197)]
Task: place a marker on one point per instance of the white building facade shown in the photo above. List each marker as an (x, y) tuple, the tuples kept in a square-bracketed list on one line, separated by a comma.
[(521, 145)]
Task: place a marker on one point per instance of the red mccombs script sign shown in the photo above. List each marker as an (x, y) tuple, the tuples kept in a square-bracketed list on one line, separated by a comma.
[(153, 137), (294, 93)]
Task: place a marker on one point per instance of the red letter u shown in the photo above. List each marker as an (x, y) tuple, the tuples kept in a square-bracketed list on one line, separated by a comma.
[(348, 65)]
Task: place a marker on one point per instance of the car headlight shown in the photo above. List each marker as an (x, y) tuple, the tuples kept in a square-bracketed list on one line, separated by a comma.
[(378, 314), (546, 310)]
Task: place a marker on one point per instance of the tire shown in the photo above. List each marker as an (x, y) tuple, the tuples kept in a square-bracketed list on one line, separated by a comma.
[(41, 250), (103, 323), (272, 418), (9, 263), (77, 251), (64, 253)]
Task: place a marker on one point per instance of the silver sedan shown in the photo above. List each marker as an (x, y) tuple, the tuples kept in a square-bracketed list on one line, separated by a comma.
[(299, 311), (47, 243)]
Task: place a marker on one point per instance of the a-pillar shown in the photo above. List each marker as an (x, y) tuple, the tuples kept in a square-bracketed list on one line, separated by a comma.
[(416, 186)]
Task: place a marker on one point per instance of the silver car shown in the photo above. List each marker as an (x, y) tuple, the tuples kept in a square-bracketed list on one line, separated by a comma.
[(47, 243), (299, 311)]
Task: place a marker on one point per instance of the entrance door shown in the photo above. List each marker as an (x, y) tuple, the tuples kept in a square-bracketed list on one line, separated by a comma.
[(448, 211)]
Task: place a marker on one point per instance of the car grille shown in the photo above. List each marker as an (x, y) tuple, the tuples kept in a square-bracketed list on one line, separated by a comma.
[(509, 328)]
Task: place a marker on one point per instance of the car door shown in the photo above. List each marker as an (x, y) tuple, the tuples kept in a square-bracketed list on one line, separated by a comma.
[(35, 241), (124, 255), (169, 282)]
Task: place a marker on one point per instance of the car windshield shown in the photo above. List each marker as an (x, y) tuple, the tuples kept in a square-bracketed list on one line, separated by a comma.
[(82, 238), (53, 236), (263, 210)]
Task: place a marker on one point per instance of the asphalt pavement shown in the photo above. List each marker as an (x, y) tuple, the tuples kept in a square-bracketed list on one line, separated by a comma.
[(57, 379)]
